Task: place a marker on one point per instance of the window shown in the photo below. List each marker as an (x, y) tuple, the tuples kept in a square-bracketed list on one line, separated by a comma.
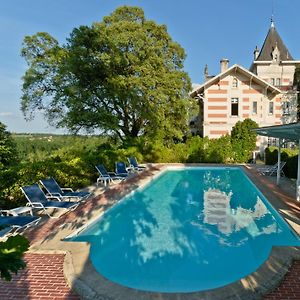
[(234, 83), (254, 107), (273, 81), (271, 108), (286, 107), (278, 81), (234, 106), (272, 142)]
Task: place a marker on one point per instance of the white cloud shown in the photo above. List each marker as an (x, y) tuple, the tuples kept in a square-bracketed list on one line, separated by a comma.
[(6, 114)]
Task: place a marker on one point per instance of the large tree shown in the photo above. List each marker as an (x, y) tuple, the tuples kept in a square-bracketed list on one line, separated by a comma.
[(11, 251), (8, 152), (123, 75)]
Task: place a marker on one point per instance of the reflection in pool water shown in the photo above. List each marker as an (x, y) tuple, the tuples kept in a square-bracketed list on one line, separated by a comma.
[(217, 211), (189, 230)]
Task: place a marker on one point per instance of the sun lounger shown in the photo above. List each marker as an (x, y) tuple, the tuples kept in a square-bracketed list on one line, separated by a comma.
[(107, 177), (134, 164), (37, 199), (5, 232), (272, 170), (12, 224), (121, 169), (53, 189), (267, 168)]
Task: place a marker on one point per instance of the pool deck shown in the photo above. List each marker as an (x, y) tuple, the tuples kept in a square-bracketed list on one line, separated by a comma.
[(280, 273)]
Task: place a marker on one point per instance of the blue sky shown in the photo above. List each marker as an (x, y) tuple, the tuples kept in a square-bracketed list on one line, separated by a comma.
[(207, 30)]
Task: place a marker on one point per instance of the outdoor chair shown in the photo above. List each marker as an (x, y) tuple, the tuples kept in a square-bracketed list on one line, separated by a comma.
[(12, 224), (273, 169), (53, 189), (37, 199), (5, 232), (121, 169), (267, 168), (134, 164), (107, 177)]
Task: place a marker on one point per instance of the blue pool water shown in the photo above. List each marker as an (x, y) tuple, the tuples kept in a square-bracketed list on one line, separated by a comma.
[(191, 229)]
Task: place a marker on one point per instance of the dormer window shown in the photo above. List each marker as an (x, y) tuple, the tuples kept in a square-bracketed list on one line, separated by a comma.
[(234, 83), (276, 54)]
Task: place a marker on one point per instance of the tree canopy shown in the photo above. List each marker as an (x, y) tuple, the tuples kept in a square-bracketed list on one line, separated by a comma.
[(8, 153), (122, 75)]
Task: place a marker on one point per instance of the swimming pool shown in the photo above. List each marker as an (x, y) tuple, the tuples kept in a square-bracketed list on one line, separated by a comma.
[(190, 229)]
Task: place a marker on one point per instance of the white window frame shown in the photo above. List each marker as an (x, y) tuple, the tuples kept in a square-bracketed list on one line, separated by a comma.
[(278, 81), (271, 108), (254, 112), (286, 108), (234, 101)]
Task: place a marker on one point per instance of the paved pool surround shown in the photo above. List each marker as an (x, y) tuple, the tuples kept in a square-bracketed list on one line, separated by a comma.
[(89, 284)]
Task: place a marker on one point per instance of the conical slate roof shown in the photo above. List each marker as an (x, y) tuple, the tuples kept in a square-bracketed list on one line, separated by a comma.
[(272, 40)]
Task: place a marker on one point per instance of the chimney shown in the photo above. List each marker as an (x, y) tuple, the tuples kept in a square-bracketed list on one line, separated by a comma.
[(256, 53), (206, 73), (224, 64)]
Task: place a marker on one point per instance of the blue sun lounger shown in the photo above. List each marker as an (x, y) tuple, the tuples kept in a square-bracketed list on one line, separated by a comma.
[(5, 231), (134, 164), (107, 177), (37, 199), (53, 189), (14, 224), (121, 169)]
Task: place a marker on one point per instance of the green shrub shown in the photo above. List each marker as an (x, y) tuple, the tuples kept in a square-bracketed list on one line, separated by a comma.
[(71, 160), (196, 149), (243, 140), (219, 150), (290, 156), (291, 167)]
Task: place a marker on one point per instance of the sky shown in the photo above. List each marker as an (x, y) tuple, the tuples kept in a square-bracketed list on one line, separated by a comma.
[(207, 30)]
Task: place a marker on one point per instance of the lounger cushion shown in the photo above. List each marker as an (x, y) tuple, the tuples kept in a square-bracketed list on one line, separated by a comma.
[(76, 194), (60, 204), (17, 220)]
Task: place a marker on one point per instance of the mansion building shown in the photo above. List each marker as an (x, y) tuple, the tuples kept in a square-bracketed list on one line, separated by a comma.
[(263, 93)]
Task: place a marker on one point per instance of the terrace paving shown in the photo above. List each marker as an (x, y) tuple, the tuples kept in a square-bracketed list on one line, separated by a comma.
[(54, 265)]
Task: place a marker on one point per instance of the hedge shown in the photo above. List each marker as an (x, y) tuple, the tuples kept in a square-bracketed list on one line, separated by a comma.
[(290, 156)]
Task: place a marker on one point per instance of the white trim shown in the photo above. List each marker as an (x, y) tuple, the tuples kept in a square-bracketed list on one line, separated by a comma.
[(262, 61), (290, 61), (235, 67), (258, 62)]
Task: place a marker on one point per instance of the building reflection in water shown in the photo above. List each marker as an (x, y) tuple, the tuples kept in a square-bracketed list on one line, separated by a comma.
[(218, 212)]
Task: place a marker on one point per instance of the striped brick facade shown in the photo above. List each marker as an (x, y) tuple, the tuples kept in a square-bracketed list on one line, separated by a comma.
[(264, 93), (217, 114)]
